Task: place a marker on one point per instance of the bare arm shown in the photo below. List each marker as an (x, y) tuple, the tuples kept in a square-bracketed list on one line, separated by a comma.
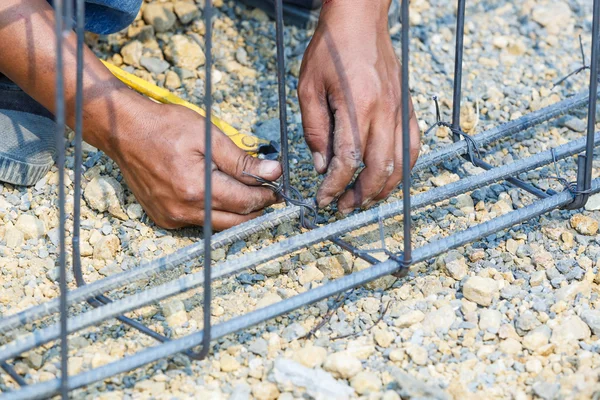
[(159, 148)]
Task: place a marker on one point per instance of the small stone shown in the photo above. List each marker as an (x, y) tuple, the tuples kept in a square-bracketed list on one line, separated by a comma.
[(105, 193), (510, 346), (537, 278), (174, 313), (533, 366), (546, 390), (593, 203), (135, 211), (385, 282), (306, 257), (330, 267), (159, 16), (186, 11), (342, 365), (397, 355), (268, 299), (526, 321), (553, 14), (575, 124), (570, 329), (537, 338), (584, 224), (366, 382), (172, 80), (242, 56), (184, 52), (490, 320), (311, 356), (454, 264), (229, 363), (444, 179), (481, 290), (265, 391), (106, 248), (31, 226), (269, 269), (100, 358), (592, 318), (409, 318), (293, 332), (14, 238), (417, 354), (132, 53), (440, 319), (34, 360), (310, 274), (384, 338), (154, 65), (317, 383)]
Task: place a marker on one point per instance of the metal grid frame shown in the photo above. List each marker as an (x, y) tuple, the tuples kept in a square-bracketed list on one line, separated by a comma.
[(573, 197)]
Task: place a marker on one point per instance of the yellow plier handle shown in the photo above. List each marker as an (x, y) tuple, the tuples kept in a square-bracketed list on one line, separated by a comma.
[(249, 143)]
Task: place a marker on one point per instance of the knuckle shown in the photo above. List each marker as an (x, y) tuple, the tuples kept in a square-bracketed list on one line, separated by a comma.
[(385, 167), (191, 193), (352, 157), (243, 164)]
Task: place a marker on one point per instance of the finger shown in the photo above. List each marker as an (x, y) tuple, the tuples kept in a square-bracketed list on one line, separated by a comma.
[(233, 161), (415, 146), (317, 122), (233, 196), (379, 165), (347, 155)]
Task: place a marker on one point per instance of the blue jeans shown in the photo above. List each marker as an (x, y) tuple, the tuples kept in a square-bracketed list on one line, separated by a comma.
[(109, 16)]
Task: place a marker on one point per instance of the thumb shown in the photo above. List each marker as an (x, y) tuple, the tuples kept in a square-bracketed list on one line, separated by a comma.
[(317, 122), (233, 161)]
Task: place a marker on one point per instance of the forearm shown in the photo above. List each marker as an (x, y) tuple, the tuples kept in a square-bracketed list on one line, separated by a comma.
[(28, 58)]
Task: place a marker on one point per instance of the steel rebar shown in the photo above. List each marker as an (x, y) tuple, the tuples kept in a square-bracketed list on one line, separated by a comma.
[(318, 235), (273, 219), (406, 153), (340, 285)]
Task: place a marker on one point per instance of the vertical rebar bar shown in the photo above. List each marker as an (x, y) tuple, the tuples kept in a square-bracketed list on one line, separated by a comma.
[(207, 229), (282, 98), (589, 150), (406, 136), (79, 28), (458, 61), (60, 163)]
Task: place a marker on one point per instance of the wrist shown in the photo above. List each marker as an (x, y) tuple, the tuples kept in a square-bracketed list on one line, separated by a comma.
[(114, 116)]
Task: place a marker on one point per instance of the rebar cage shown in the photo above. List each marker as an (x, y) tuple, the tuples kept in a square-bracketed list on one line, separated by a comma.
[(573, 196)]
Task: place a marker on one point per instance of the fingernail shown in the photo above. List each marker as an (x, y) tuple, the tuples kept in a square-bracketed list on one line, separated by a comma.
[(324, 202), (319, 161), (366, 202), (345, 211), (268, 168)]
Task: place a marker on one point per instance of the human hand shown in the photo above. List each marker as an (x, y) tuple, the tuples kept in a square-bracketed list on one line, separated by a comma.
[(350, 99), (163, 165)]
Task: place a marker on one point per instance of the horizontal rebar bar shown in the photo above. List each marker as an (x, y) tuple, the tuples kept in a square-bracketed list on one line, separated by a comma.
[(509, 128), (95, 316), (147, 269), (273, 219), (347, 282)]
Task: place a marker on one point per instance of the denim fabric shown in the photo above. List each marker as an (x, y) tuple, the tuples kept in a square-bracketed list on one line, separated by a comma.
[(109, 16)]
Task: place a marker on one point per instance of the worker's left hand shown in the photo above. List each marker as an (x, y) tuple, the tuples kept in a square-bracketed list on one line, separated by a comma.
[(350, 98)]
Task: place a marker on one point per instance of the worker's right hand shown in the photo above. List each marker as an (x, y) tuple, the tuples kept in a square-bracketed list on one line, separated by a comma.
[(163, 165)]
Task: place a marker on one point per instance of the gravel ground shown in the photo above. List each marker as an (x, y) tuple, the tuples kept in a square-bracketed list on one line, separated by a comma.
[(510, 316)]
